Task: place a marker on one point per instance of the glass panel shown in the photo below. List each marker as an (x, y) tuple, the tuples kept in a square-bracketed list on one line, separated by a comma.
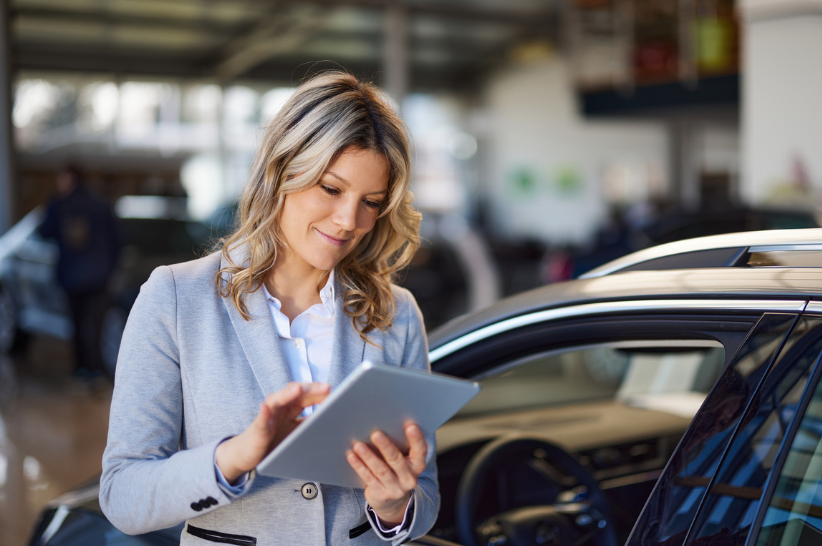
[(794, 516), (786, 258), (672, 506), (733, 499), (672, 376)]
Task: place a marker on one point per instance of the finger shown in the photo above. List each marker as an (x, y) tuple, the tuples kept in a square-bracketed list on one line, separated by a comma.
[(391, 454), (314, 393), (378, 467), (287, 403), (361, 469), (264, 417), (418, 448), (284, 396)]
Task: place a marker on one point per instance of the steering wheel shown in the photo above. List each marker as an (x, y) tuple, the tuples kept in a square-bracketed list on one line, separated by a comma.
[(577, 515)]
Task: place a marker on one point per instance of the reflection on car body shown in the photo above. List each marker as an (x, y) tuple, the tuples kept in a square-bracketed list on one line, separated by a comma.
[(590, 386)]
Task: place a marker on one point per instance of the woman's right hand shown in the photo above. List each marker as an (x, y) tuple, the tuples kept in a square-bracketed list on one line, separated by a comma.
[(279, 415)]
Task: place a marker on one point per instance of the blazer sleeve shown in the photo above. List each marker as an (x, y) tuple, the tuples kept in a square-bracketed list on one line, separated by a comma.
[(148, 482), (427, 494)]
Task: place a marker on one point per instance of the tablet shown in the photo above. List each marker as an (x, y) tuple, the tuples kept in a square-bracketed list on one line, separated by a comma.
[(373, 397)]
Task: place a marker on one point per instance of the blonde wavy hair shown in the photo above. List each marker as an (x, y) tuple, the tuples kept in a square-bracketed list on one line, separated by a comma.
[(326, 115)]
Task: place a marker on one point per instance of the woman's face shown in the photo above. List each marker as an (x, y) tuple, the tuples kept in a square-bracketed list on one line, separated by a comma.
[(325, 222)]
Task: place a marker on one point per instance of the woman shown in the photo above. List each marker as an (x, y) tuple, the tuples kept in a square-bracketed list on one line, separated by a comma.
[(222, 355)]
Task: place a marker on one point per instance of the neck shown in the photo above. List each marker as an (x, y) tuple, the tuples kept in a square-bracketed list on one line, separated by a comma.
[(297, 288)]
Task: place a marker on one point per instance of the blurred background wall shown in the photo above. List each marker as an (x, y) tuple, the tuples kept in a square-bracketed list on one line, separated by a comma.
[(556, 133)]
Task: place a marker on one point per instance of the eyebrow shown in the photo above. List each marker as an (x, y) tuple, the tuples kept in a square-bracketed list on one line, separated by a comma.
[(344, 181)]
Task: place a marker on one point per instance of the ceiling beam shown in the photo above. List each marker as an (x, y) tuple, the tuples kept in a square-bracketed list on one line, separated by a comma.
[(85, 59), (463, 13), (108, 17), (442, 10), (274, 35)]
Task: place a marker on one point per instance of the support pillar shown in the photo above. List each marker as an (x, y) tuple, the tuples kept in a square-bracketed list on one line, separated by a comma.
[(781, 102), (684, 171), (8, 197), (395, 65)]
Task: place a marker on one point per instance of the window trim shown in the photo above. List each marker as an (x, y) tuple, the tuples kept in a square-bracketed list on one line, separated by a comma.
[(590, 309)]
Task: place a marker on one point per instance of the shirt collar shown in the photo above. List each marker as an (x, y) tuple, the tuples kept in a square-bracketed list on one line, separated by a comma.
[(326, 295)]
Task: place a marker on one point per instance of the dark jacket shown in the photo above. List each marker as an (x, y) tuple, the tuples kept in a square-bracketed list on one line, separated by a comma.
[(88, 236)]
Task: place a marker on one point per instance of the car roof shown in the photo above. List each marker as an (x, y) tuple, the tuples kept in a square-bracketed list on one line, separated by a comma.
[(708, 251), (770, 283)]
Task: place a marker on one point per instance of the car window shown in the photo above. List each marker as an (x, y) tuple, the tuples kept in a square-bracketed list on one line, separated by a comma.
[(794, 514), (670, 376), (733, 496), (670, 510)]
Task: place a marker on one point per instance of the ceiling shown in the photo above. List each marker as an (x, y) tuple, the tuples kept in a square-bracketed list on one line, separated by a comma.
[(451, 43)]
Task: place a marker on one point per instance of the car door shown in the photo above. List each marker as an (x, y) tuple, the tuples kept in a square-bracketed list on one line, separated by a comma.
[(712, 488), (627, 470)]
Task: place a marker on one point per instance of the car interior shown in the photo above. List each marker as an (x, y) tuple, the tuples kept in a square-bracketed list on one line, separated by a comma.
[(608, 415)]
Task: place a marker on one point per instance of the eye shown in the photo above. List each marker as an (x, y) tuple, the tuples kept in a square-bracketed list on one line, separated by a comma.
[(329, 190), (372, 204)]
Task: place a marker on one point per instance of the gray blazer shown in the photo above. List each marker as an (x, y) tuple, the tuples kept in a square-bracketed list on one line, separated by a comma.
[(191, 372)]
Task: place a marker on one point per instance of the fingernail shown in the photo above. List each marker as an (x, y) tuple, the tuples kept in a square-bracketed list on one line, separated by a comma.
[(360, 447), (378, 436)]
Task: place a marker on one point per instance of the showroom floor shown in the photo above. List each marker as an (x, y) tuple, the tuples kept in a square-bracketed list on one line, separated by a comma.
[(52, 433)]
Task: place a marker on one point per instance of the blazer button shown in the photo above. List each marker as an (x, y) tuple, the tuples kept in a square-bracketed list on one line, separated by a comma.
[(211, 501), (196, 506), (309, 491)]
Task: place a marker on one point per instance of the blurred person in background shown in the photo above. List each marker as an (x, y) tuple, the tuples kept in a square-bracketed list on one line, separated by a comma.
[(87, 234)]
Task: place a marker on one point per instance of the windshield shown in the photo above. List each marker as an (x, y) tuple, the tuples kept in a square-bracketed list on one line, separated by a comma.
[(672, 376)]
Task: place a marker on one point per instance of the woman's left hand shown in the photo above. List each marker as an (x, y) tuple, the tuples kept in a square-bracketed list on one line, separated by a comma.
[(390, 476)]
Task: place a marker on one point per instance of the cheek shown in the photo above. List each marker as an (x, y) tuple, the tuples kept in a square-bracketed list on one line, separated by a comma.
[(368, 221)]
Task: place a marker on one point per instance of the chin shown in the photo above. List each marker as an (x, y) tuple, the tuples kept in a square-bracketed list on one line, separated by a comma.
[(325, 265)]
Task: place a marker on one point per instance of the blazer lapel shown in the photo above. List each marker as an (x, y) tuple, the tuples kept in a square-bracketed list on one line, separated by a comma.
[(258, 336), (348, 349)]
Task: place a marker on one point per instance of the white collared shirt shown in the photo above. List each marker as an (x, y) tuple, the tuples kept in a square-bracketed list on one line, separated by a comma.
[(307, 341)]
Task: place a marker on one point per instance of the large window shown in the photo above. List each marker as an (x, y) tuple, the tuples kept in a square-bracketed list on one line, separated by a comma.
[(794, 515)]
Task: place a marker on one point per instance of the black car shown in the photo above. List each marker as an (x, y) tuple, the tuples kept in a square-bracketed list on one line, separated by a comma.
[(32, 302), (684, 381)]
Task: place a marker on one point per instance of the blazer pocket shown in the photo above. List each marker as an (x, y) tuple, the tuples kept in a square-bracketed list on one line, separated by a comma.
[(217, 536)]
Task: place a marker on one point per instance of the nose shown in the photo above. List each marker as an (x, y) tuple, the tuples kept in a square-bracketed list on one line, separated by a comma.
[(345, 215)]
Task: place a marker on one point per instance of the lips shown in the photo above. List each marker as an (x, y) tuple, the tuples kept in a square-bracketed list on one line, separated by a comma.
[(333, 240)]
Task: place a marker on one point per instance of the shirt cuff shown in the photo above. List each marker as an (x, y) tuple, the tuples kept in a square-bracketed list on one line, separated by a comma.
[(227, 488), (403, 526)]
